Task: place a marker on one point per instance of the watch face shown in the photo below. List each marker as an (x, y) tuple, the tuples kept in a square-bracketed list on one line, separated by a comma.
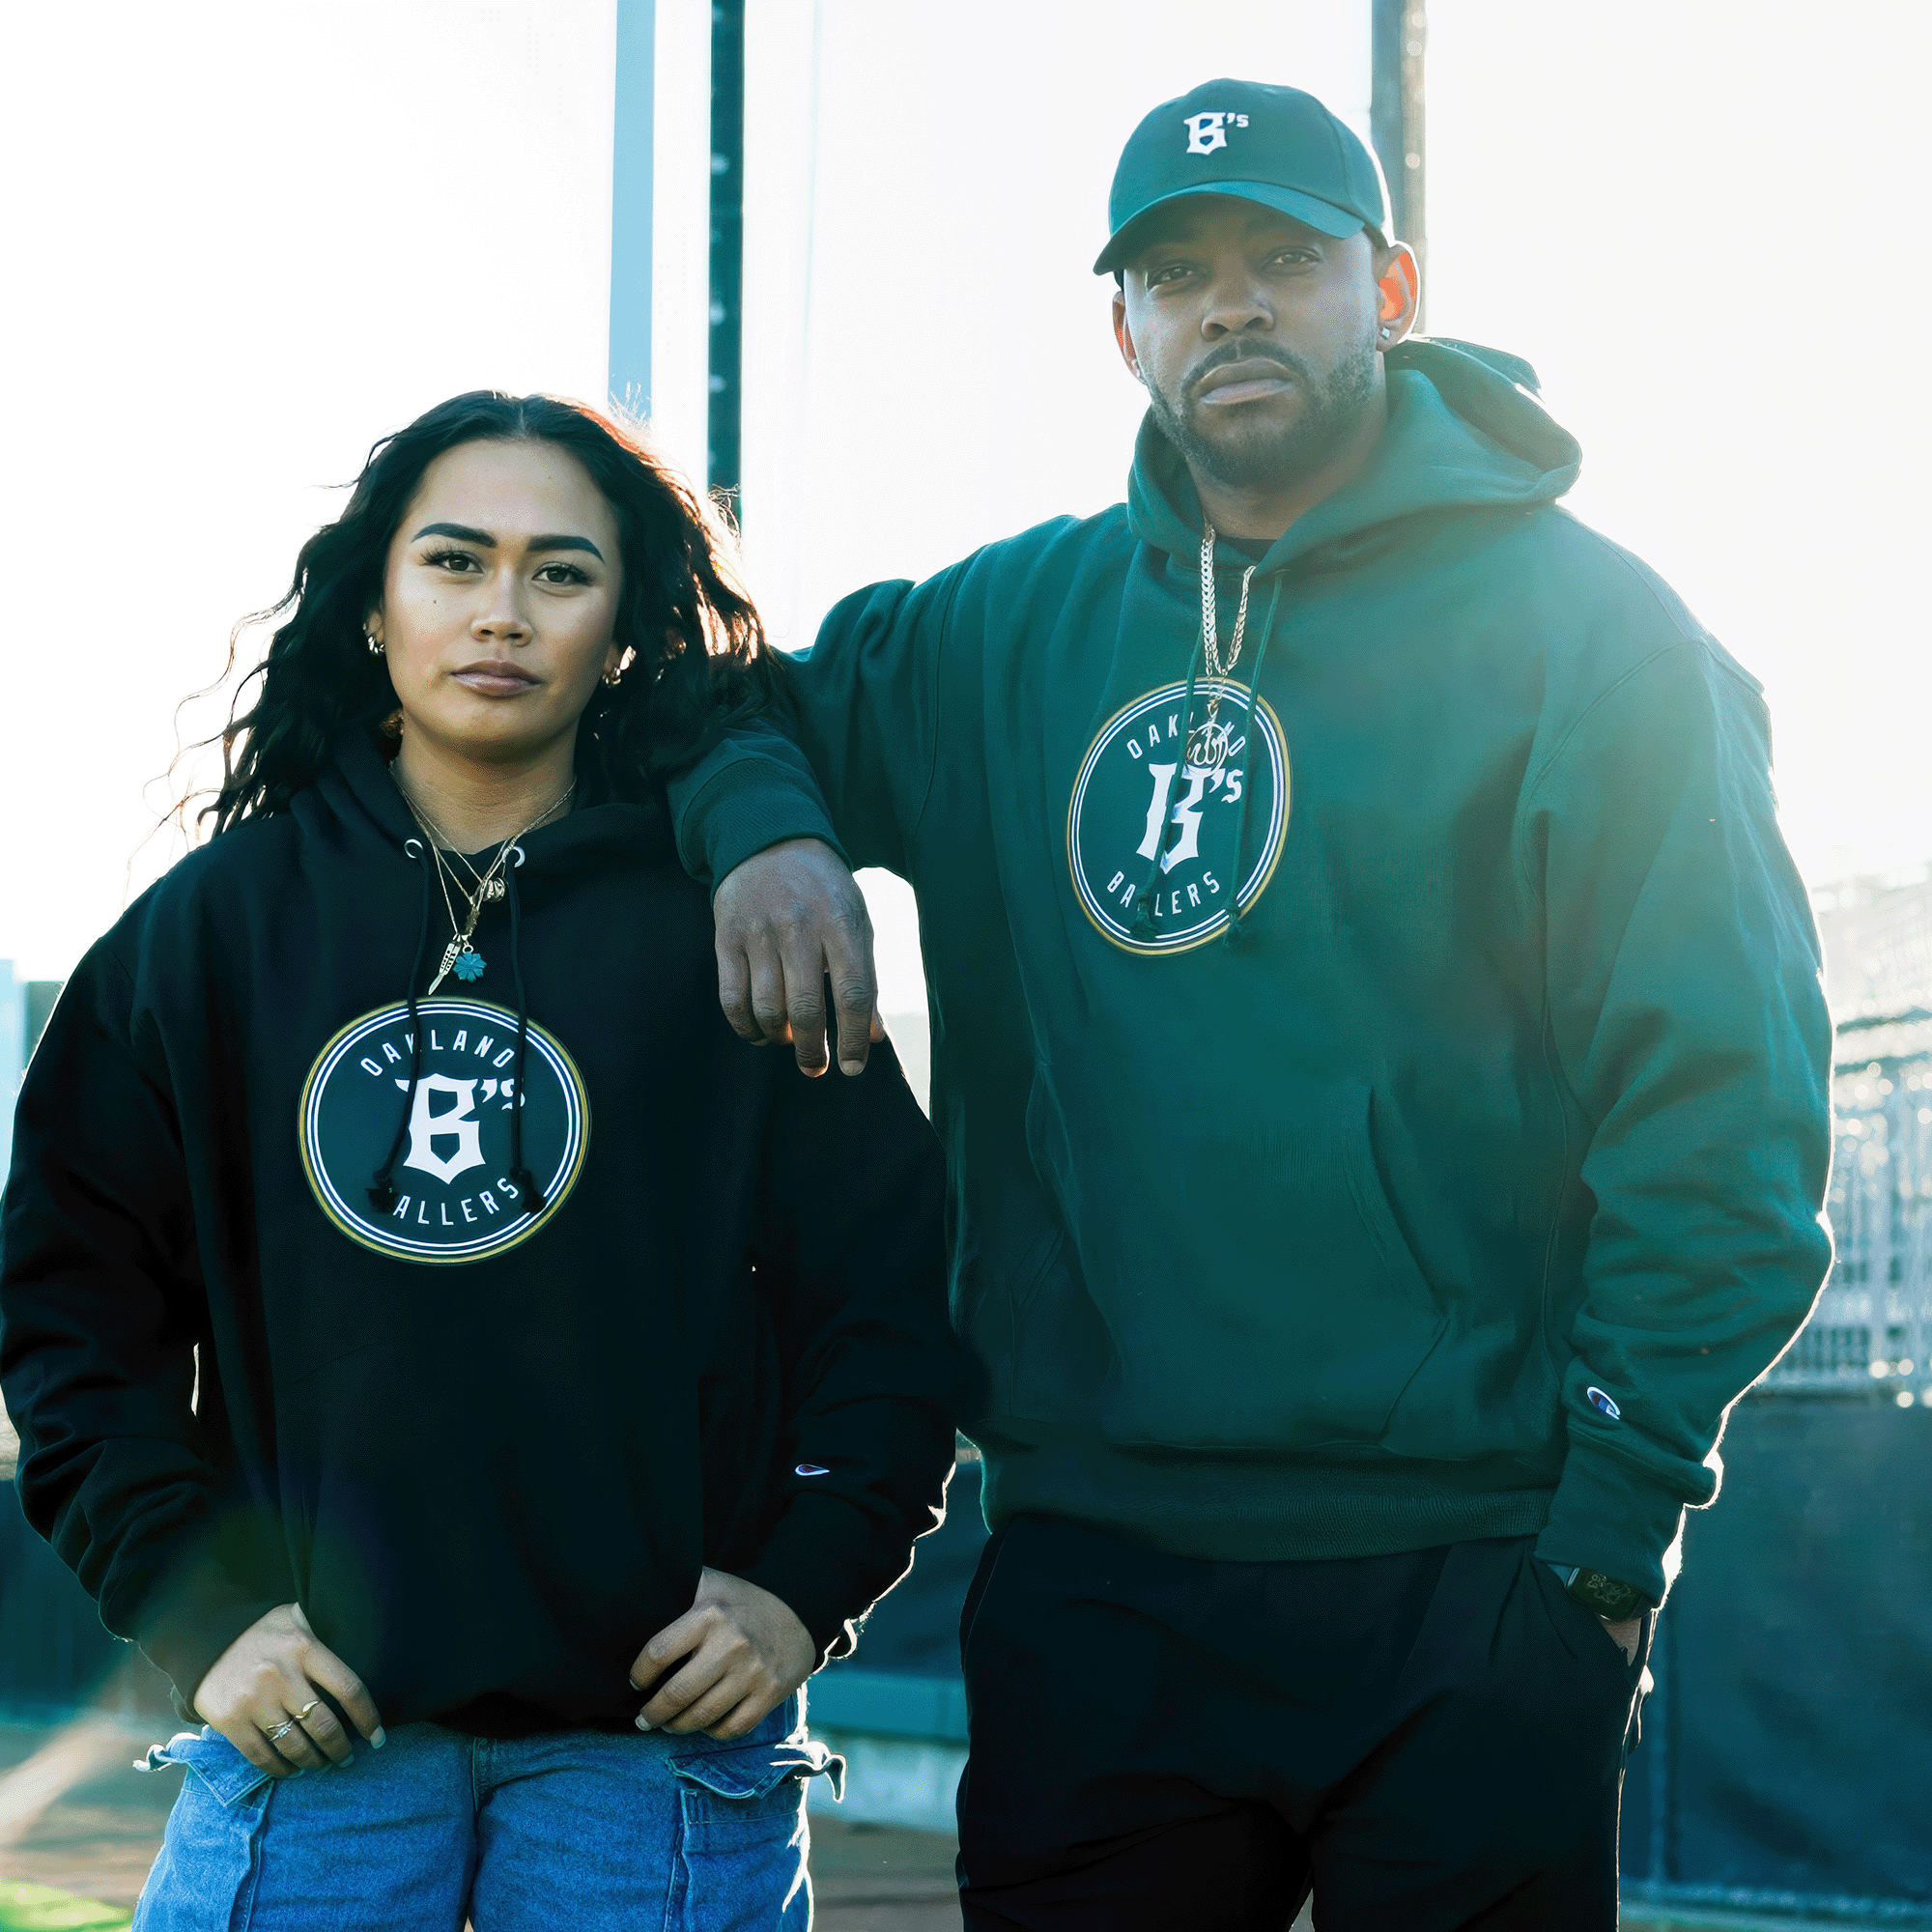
[(1605, 1595)]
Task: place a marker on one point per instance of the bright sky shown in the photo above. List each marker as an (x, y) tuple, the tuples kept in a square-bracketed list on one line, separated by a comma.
[(254, 238)]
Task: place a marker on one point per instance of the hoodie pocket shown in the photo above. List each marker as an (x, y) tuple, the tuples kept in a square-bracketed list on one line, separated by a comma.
[(1257, 1291)]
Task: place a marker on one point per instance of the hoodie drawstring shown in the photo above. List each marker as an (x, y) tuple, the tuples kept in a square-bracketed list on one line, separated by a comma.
[(533, 1198), (382, 1187), (383, 1191), (1236, 931), (1144, 899)]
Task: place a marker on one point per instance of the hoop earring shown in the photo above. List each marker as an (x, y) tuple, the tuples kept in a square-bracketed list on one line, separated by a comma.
[(376, 649), (614, 678)]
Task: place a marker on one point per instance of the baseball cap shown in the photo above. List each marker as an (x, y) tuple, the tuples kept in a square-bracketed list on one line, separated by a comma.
[(1272, 145)]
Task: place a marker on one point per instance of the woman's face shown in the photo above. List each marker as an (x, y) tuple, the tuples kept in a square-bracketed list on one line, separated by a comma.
[(499, 599)]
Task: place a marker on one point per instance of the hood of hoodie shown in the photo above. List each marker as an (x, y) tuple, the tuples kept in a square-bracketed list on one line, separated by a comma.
[(1465, 432)]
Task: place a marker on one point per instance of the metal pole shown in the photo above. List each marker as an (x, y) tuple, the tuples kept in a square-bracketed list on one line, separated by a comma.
[(631, 200), (1396, 119), (727, 243)]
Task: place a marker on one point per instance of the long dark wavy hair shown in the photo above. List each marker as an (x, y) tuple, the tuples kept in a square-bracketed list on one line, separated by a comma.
[(698, 656)]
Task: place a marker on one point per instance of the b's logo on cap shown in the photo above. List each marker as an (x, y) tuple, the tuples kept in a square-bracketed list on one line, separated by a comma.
[(1208, 131), (456, 1197), (1150, 820)]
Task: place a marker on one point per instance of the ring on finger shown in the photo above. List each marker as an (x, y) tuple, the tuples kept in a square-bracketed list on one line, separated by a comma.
[(282, 1730)]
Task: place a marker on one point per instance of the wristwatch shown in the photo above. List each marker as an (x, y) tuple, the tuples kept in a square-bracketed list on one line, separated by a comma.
[(1608, 1597)]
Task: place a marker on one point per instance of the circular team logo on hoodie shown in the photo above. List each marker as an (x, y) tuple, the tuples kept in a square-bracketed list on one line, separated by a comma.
[(1158, 810), (456, 1197)]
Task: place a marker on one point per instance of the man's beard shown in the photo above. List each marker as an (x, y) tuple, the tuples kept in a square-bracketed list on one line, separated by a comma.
[(1272, 455)]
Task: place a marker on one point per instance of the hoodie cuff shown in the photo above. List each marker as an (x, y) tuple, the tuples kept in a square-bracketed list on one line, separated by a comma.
[(747, 806), (1607, 1515), (828, 1562), (184, 1629)]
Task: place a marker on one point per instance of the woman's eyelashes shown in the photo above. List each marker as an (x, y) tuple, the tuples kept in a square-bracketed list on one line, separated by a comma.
[(466, 563)]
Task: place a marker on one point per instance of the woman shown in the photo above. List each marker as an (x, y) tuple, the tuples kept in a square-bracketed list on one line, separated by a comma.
[(426, 1325)]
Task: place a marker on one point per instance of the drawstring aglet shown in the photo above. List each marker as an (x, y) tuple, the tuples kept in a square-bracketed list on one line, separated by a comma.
[(382, 1195), (533, 1195)]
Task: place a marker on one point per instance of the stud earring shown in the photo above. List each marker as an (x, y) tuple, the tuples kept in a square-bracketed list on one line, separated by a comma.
[(1386, 333), (376, 649)]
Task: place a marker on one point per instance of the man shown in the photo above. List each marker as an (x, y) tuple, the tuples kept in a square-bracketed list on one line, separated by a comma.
[(1377, 1042)]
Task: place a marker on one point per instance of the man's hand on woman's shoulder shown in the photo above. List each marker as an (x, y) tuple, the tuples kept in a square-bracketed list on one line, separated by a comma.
[(785, 919)]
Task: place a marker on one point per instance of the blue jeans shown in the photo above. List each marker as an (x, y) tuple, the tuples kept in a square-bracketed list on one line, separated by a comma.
[(581, 1828)]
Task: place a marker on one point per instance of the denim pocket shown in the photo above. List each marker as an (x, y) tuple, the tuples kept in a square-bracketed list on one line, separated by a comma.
[(742, 1836), (203, 1878), (231, 1780)]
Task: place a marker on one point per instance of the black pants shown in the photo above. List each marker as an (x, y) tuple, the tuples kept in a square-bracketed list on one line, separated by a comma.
[(1161, 1744)]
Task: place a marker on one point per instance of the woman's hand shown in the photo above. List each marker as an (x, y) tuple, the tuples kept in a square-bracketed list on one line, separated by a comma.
[(274, 1671), (748, 1653)]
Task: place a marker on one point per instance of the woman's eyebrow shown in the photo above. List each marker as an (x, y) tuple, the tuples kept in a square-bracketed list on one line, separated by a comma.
[(462, 531), (465, 535)]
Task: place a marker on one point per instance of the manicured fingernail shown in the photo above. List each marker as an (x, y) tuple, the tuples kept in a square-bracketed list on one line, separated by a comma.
[(644, 1724), (379, 1736)]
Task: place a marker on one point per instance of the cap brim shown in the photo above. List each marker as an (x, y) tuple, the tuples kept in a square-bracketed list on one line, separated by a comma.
[(1324, 217)]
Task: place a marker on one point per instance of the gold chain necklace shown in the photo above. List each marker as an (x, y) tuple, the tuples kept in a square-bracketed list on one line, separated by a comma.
[(459, 955), (1209, 742)]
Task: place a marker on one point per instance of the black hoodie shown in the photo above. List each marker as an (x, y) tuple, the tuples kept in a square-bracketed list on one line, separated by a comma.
[(483, 1411)]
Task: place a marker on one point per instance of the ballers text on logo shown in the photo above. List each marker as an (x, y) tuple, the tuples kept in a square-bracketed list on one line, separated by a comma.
[(1208, 131)]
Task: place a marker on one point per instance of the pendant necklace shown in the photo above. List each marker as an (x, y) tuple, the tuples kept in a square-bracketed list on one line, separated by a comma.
[(460, 957), (1207, 744)]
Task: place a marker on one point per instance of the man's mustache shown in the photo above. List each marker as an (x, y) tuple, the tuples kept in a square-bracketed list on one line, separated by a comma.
[(1246, 351)]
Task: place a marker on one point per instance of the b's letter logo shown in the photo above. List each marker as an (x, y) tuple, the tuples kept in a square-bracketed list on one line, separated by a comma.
[(458, 1122), (1208, 131)]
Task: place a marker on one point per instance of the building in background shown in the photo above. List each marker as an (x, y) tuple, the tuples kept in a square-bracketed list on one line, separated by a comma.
[(1872, 1329)]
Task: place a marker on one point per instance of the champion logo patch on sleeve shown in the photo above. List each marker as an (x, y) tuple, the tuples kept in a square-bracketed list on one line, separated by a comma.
[(1600, 1401), (811, 1469)]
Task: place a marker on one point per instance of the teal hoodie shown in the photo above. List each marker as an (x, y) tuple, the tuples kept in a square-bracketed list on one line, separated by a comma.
[(1458, 1185)]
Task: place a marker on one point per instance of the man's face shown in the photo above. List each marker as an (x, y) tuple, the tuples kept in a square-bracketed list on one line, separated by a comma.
[(1255, 336)]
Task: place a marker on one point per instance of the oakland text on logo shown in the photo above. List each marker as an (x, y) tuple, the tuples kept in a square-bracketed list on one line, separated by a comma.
[(456, 1199), (1142, 804)]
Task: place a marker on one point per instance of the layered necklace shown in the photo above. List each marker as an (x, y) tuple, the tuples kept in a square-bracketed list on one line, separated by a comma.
[(460, 957), (1207, 744)]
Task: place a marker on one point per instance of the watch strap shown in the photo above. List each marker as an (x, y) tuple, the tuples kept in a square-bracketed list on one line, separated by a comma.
[(1609, 1597)]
